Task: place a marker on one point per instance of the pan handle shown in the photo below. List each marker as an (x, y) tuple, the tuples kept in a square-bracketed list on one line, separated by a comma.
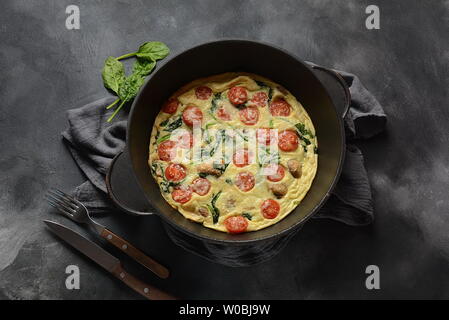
[(123, 188), (336, 87)]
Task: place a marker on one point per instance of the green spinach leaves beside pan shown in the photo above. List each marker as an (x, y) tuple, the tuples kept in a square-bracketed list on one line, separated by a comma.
[(127, 87)]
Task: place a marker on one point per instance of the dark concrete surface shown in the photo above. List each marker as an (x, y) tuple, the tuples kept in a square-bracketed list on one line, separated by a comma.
[(46, 69)]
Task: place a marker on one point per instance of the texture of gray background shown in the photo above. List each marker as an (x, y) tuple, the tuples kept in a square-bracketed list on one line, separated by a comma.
[(46, 69)]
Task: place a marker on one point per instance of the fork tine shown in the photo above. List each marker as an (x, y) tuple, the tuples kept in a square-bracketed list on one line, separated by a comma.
[(60, 209), (63, 199), (65, 195), (60, 203)]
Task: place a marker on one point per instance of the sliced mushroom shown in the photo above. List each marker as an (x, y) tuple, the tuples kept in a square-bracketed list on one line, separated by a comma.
[(279, 189), (294, 166), (203, 211), (207, 168), (230, 203)]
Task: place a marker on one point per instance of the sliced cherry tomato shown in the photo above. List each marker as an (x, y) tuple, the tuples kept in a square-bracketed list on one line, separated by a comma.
[(237, 95), (203, 92), (245, 181), (171, 106), (270, 208), (236, 224), (175, 172), (184, 139), (275, 172), (264, 136), (182, 194), (222, 114), (167, 150), (249, 115), (201, 186), (280, 108), (192, 114), (288, 141), (241, 158), (260, 99)]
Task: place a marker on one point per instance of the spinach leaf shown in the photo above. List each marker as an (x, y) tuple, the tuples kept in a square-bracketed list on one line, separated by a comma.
[(206, 137), (219, 139), (244, 137), (229, 181), (153, 51), (126, 88), (302, 132), (153, 169), (143, 67), (129, 88), (215, 198), (306, 140), (165, 185), (267, 157), (270, 94), (157, 170), (174, 124), (213, 209), (156, 137), (263, 85), (247, 215), (163, 123), (214, 103), (221, 166), (113, 74)]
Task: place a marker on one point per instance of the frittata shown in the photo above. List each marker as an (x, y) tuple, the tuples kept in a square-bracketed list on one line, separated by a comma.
[(235, 152)]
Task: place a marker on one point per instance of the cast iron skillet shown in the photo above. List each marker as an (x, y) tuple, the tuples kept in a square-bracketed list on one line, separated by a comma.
[(249, 56)]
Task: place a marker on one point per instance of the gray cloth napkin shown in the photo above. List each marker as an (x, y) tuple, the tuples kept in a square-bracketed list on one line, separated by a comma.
[(93, 143)]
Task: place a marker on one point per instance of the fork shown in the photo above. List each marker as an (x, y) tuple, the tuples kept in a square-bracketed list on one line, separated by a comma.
[(76, 211)]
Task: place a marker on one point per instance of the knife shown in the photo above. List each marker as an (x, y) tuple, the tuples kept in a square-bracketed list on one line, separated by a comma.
[(107, 261)]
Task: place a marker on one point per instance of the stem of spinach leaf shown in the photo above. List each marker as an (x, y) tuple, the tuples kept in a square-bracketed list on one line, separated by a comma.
[(113, 104), (128, 55), (116, 111), (162, 139)]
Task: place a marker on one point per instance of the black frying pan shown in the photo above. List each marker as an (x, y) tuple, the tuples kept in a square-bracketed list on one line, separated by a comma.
[(248, 56)]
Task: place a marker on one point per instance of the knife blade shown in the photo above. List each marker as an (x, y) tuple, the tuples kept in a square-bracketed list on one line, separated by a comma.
[(105, 260)]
